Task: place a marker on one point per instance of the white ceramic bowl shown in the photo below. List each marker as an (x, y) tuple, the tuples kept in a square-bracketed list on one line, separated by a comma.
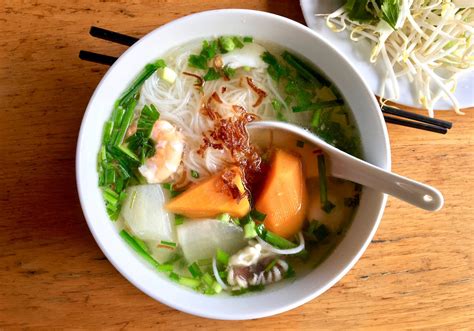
[(280, 297)]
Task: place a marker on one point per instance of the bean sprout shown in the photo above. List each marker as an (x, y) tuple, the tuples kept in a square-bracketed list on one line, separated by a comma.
[(431, 46)]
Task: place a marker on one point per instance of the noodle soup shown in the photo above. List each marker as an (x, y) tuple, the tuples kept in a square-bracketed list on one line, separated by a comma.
[(204, 203)]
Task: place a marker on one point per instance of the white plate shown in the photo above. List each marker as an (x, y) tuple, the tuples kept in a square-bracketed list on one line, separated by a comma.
[(358, 53)]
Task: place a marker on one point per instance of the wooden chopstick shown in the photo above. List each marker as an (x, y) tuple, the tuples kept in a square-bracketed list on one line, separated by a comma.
[(112, 36), (416, 121)]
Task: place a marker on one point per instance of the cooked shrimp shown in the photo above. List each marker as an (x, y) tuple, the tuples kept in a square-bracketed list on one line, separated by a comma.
[(169, 145)]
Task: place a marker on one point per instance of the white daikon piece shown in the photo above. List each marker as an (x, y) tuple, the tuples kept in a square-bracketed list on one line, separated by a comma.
[(200, 239)]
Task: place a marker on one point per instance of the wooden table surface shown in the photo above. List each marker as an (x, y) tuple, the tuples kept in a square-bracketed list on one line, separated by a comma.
[(418, 271)]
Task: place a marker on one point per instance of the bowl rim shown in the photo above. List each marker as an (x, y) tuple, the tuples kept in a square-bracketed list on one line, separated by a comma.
[(168, 301)]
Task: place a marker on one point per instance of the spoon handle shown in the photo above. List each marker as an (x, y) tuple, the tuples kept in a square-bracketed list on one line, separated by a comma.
[(413, 192)]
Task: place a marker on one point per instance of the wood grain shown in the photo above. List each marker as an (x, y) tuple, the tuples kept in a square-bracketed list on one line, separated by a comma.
[(417, 273)]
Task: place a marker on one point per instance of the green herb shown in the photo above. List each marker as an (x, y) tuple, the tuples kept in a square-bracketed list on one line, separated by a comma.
[(316, 231), (256, 215), (194, 174), (209, 49), (305, 70), (126, 120), (249, 230), (165, 268), (300, 143), (238, 43), (228, 71), (252, 288), (315, 106), (138, 248), (174, 276), (278, 106), (248, 39), (275, 69), (189, 282), (390, 11), (168, 243), (195, 270), (326, 205), (211, 74), (198, 61), (107, 134), (316, 118), (222, 257), (223, 217), (207, 279), (273, 239), (360, 10), (142, 77), (226, 44)]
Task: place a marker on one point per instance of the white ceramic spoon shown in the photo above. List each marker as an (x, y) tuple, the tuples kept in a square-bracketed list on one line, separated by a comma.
[(345, 166)]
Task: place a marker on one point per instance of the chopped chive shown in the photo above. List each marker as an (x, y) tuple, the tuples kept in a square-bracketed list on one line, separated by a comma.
[(305, 70), (217, 287), (204, 262), (326, 205), (178, 219), (138, 248), (128, 152), (207, 279), (248, 39), (167, 186), (222, 257), (167, 243), (189, 282), (108, 129), (174, 276), (165, 268), (125, 123), (249, 230), (316, 118), (194, 174), (273, 238), (256, 215), (195, 270), (300, 143), (223, 217)]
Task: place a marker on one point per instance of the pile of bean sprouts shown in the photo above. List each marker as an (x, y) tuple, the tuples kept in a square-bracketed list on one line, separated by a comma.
[(431, 45)]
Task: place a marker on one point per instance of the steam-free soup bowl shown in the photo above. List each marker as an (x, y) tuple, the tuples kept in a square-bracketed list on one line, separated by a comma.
[(279, 297)]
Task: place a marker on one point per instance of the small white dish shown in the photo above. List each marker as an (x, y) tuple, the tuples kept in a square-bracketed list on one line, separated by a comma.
[(358, 54), (264, 26)]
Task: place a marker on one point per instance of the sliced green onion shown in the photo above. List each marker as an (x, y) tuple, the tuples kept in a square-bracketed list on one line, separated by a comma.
[(168, 243), (165, 268), (108, 129), (207, 279), (305, 70), (174, 276), (326, 205), (194, 174), (249, 230), (126, 120), (226, 44), (248, 39), (238, 43), (138, 248), (217, 287), (222, 257), (315, 106), (223, 217), (178, 219), (274, 239), (189, 282), (195, 270), (256, 215)]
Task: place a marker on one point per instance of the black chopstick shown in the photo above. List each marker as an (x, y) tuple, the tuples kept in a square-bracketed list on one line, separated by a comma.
[(112, 36), (417, 117), (416, 125), (97, 58)]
